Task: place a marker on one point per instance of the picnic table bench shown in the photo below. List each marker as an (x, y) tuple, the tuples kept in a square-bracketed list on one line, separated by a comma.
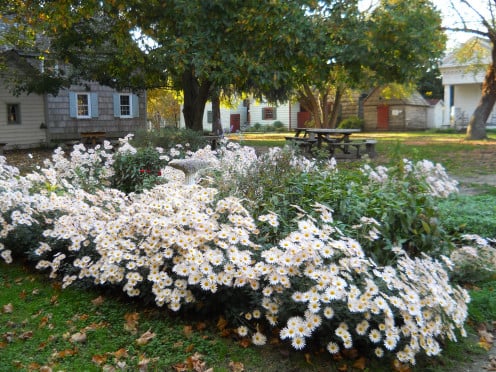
[(305, 142), (92, 137), (333, 140), (360, 147)]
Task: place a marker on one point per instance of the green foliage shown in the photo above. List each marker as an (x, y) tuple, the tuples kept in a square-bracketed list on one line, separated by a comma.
[(474, 214), (135, 172), (482, 307), (169, 137), (256, 127), (407, 216), (353, 122)]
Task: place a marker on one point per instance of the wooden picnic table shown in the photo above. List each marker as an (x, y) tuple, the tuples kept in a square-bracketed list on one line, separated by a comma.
[(339, 139), (326, 135)]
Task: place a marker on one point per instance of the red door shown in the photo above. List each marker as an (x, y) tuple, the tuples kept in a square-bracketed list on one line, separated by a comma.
[(235, 123), (382, 117), (302, 117)]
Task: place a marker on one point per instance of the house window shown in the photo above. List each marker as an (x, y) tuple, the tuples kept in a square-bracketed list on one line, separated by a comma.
[(269, 113), (126, 105), (13, 113), (83, 105), (210, 117)]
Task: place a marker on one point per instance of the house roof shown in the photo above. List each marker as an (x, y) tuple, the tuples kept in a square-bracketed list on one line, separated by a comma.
[(475, 51), (12, 60), (434, 101), (414, 99)]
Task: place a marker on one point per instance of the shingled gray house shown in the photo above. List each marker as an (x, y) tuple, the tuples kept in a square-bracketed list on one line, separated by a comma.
[(72, 114)]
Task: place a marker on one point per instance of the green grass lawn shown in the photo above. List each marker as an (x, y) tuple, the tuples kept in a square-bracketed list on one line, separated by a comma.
[(82, 330), (458, 156)]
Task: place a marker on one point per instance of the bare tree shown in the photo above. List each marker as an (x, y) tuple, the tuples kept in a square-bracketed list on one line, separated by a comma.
[(478, 17)]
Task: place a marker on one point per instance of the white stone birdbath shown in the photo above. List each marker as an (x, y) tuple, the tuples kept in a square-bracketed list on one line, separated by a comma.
[(190, 167)]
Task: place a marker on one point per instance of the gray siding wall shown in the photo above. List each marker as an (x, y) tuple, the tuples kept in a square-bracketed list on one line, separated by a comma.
[(32, 114), (62, 126)]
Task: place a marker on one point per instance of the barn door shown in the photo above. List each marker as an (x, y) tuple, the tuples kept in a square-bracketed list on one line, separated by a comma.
[(383, 117), (235, 123)]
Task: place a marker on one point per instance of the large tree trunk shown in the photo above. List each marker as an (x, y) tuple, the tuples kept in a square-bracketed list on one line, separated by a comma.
[(476, 129), (333, 115), (216, 120), (195, 98), (309, 99)]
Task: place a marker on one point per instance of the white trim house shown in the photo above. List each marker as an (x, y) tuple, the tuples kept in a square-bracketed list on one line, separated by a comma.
[(462, 80), (250, 112)]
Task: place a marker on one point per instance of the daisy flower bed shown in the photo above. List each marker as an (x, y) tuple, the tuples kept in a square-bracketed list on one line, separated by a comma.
[(279, 242)]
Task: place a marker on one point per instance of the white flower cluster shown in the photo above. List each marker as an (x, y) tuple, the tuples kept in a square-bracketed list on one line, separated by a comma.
[(173, 238), (438, 181)]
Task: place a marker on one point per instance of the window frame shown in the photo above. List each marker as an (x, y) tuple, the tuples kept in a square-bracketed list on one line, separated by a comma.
[(269, 113), (129, 105), (17, 114), (133, 106), (88, 103)]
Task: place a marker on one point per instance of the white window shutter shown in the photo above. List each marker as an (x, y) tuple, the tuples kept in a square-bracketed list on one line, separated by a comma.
[(135, 105), (72, 105), (94, 105), (117, 105)]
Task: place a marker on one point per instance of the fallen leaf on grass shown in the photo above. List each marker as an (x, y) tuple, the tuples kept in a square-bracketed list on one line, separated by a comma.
[(486, 339), (45, 369), (78, 337), (99, 359), (245, 342), (33, 366), (64, 353), (95, 326), (8, 336), (187, 330), (98, 301), (360, 363), (3, 345), (8, 309), (22, 295), (26, 335), (144, 362), (236, 366), (196, 363), (131, 324), (145, 338), (43, 322), (221, 323), (308, 358), (400, 367), (190, 348), (121, 353)]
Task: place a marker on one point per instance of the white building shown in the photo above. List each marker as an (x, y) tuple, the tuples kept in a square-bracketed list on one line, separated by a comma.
[(462, 81), (250, 112)]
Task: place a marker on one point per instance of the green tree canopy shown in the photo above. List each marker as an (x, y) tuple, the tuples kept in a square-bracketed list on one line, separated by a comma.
[(394, 42), (202, 47)]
